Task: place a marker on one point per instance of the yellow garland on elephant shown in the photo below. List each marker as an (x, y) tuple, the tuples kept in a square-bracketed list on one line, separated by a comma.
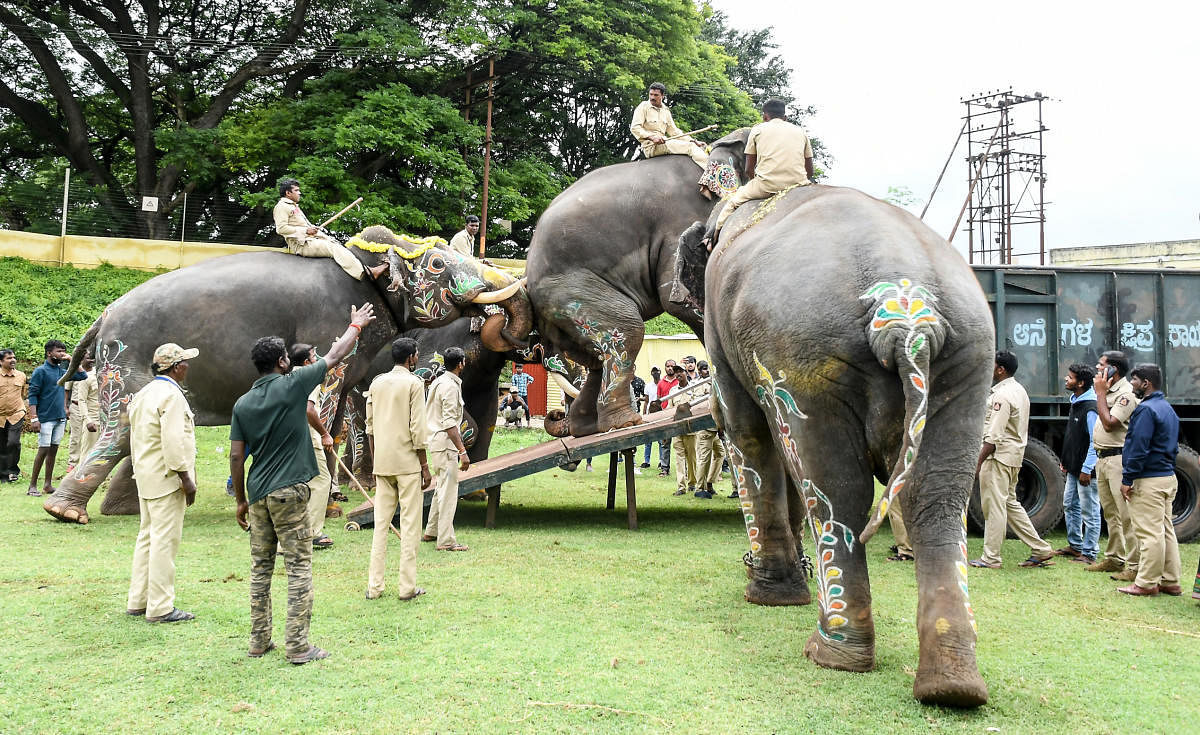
[(423, 245)]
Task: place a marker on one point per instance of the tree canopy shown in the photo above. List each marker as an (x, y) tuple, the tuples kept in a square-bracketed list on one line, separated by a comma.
[(221, 99)]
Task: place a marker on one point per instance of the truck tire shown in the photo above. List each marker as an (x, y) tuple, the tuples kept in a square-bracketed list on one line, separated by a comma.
[(1040, 486), (1186, 508)]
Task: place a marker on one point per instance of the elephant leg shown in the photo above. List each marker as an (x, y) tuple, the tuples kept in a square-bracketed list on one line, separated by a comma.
[(610, 329), (934, 506), (776, 576), (69, 500), (121, 498)]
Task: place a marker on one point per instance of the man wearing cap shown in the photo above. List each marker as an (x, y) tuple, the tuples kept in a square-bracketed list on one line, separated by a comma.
[(652, 125), (513, 407), (464, 241), (270, 423), (521, 380), (162, 445), (447, 453), (304, 239)]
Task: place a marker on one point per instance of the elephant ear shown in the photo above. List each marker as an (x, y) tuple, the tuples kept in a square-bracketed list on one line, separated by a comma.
[(687, 287)]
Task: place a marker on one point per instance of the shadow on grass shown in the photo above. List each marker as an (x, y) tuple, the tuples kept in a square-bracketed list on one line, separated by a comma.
[(522, 516)]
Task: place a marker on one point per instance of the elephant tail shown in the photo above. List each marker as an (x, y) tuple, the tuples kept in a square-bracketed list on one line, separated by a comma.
[(905, 332), (85, 345)]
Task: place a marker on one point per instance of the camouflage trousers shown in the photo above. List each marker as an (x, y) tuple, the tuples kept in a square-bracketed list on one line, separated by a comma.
[(281, 519)]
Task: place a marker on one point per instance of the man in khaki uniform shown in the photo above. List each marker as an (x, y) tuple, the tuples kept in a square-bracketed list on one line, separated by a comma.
[(83, 414), (684, 445), (321, 485), (778, 155), (1005, 434), (1108, 436), (162, 444), (304, 239), (652, 125), (447, 453), (464, 241), (396, 426), (13, 386), (710, 452)]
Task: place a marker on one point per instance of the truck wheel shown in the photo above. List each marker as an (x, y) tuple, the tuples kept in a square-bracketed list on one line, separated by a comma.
[(1186, 508), (1040, 486)]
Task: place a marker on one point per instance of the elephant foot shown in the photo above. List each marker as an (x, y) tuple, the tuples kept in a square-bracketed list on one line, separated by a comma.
[(831, 654), (115, 504), (790, 590), (65, 512), (951, 687), (557, 423)]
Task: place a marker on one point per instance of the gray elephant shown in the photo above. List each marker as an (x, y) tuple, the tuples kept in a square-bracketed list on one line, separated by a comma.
[(221, 306), (601, 263), (850, 343)]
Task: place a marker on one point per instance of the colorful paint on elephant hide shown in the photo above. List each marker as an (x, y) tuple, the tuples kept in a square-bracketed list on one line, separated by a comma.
[(827, 532), (113, 398), (331, 387), (742, 476), (608, 344), (431, 302)]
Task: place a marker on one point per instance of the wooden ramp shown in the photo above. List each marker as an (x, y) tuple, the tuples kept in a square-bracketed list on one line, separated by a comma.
[(493, 472)]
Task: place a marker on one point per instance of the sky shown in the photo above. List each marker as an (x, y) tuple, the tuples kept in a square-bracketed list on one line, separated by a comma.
[(1123, 128)]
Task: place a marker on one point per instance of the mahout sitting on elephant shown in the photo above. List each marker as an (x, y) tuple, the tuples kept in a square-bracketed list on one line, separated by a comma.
[(850, 343), (221, 306), (601, 263)]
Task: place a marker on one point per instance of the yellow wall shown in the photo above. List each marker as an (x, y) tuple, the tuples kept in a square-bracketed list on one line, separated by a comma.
[(124, 252), (1167, 254)]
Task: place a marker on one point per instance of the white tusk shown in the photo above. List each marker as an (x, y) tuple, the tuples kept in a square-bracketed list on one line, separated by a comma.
[(495, 297), (565, 385)]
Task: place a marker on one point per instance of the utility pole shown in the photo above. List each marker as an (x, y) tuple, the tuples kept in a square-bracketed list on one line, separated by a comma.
[(487, 156)]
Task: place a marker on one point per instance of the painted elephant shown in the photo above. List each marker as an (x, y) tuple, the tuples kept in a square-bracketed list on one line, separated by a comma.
[(601, 263), (222, 305), (850, 342)]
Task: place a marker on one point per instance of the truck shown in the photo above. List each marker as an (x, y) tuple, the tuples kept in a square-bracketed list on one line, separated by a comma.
[(1051, 317)]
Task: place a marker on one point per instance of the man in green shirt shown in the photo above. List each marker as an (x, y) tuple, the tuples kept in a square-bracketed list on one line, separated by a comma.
[(270, 423)]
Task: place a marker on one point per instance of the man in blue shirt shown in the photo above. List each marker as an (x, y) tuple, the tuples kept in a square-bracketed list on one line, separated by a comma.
[(48, 411), (1148, 484), (1081, 500), (522, 380)]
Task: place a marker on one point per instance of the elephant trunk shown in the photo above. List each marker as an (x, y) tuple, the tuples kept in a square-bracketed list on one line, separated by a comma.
[(494, 335), (520, 320), (557, 423)]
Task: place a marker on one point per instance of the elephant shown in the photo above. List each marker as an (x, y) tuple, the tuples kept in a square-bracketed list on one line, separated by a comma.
[(850, 343), (601, 262), (221, 306)]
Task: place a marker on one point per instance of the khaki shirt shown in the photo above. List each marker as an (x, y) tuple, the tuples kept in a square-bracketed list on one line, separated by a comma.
[(396, 418), (162, 438), (463, 243), (1007, 423), (781, 148), (12, 396), (650, 120), (315, 399), (444, 411), (290, 222), (85, 400), (1121, 402)]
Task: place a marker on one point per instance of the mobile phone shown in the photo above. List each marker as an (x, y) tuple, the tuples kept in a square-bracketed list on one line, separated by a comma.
[(1110, 372)]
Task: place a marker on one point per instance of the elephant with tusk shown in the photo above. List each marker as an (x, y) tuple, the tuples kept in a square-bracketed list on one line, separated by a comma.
[(221, 306)]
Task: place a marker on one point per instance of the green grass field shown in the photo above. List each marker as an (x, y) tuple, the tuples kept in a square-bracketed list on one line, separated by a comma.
[(559, 620)]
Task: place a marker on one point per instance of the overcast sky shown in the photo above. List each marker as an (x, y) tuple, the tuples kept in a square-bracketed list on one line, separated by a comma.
[(1123, 138)]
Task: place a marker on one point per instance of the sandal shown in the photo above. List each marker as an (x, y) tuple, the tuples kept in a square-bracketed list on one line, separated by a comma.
[(322, 542), (175, 616), (312, 654), (898, 556), (339, 497), (981, 564), (454, 547), (1036, 561), (416, 593), (427, 537)]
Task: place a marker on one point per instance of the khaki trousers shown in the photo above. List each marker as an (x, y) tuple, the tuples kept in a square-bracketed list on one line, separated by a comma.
[(152, 581), (709, 454), (899, 531), (1153, 524), (320, 487), (684, 449), (998, 494), (445, 497), (1122, 543), (76, 429), (390, 491), (680, 147), (755, 188), (319, 246)]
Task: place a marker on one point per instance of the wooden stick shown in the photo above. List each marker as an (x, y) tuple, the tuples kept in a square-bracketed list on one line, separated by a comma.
[(682, 135), (339, 214), (363, 490)]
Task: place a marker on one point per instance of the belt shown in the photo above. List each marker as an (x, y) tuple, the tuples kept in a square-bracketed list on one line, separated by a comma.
[(1109, 452)]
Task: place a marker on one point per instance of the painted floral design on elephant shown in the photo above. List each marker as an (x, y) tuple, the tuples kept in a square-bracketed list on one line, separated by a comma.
[(743, 475), (827, 532), (431, 300), (608, 344), (112, 399)]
